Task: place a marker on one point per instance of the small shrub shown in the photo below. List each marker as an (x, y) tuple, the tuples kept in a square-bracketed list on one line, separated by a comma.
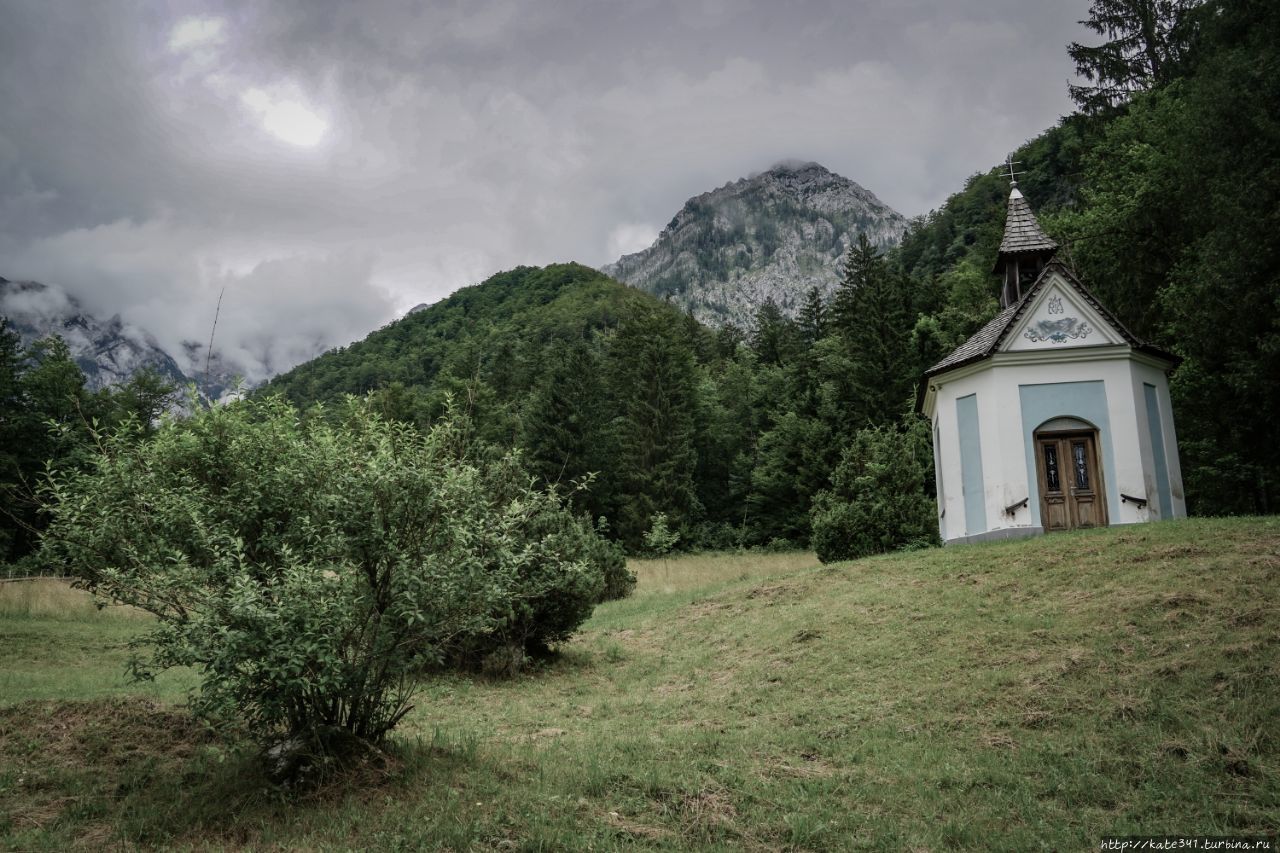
[(716, 536), (660, 538), (619, 581), (311, 568), (878, 501), (779, 545)]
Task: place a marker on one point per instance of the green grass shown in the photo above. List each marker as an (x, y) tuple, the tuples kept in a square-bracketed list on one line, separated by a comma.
[(1012, 696), (58, 645)]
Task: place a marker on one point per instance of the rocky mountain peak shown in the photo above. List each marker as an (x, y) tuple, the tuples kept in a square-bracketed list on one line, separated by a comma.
[(772, 235), (109, 351)]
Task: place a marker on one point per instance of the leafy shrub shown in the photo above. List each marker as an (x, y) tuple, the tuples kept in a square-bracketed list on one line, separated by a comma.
[(619, 581), (717, 536), (311, 568), (660, 538), (878, 500)]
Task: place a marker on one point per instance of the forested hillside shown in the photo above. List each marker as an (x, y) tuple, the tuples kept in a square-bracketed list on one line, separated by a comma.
[(729, 435), (1165, 196), (1164, 193)]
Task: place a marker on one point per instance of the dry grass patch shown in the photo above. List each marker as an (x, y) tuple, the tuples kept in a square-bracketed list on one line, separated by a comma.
[(55, 598), (700, 571)]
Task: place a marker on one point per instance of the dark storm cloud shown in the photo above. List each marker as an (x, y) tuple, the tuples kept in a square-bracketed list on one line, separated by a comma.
[(152, 155)]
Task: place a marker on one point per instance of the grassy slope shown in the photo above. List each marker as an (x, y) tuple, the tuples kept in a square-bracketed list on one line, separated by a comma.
[(1015, 696)]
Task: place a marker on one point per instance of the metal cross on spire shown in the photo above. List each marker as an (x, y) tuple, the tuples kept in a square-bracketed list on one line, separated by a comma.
[(1013, 174)]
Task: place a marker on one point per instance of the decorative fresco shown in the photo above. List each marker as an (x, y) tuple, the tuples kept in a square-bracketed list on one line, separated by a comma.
[(1057, 331)]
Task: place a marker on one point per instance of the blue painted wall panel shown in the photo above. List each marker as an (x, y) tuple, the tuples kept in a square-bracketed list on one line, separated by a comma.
[(1163, 493), (1084, 400), (975, 504)]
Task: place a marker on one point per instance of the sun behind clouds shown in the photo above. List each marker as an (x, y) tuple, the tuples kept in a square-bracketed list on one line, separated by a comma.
[(286, 118)]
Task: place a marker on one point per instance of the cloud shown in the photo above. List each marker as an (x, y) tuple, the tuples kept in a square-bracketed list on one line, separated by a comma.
[(368, 157), (167, 280), (631, 237), (196, 32)]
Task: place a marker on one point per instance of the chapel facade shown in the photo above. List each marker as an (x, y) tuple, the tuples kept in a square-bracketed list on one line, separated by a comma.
[(1053, 416)]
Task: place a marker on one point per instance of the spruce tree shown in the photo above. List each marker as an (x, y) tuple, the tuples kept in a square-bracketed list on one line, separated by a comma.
[(871, 314), (653, 379), (775, 338), (813, 317), (1145, 41), (564, 425)]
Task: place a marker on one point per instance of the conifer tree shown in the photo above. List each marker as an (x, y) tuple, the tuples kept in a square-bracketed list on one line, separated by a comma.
[(1145, 41), (45, 418), (871, 314), (564, 425), (791, 466), (813, 317), (653, 388), (775, 338)]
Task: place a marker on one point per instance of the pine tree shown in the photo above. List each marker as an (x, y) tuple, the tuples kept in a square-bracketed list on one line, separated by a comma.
[(813, 317), (1145, 41), (564, 425), (653, 388), (45, 418), (871, 315), (775, 338), (791, 466)]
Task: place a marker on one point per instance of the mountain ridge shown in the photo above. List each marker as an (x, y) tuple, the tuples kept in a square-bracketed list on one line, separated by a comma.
[(109, 352), (773, 235)]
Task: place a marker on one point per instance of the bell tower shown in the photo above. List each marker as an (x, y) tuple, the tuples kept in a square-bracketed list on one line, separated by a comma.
[(1025, 249)]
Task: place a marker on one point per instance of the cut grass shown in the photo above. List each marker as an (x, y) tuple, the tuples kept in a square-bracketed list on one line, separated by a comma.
[(1010, 696), (57, 644), (702, 572)]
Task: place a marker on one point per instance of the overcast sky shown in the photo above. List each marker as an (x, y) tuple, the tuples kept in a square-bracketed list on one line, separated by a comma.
[(334, 163)]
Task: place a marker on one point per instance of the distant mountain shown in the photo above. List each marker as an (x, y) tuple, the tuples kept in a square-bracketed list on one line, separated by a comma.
[(108, 351), (770, 236)]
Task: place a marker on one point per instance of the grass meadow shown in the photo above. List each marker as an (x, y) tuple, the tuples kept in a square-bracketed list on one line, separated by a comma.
[(1009, 696)]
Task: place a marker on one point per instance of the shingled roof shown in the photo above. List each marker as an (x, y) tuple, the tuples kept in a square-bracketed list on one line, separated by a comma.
[(987, 340), (981, 345), (1021, 230)]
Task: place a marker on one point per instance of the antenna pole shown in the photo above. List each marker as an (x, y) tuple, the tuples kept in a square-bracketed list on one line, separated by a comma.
[(208, 355)]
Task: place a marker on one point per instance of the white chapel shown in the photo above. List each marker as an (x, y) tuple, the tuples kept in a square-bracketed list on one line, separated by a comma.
[(1053, 416)]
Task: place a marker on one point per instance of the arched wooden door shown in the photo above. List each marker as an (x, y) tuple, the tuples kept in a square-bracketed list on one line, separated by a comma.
[(1071, 492)]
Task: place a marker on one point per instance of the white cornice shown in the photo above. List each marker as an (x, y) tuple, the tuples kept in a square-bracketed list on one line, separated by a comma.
[(1110, 352)]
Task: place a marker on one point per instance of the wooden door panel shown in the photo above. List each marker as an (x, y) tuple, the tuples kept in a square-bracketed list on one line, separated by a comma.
[(1086, 511), (1055, 514), (1070, 481)]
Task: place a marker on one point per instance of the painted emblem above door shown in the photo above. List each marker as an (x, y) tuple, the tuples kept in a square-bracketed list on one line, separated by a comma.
[(1059, 317)]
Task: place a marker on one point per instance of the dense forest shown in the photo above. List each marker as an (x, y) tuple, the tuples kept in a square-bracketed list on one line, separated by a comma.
[(730, 434), (1163, 191)]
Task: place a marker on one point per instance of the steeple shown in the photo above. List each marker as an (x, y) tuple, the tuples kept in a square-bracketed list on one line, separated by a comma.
[(1025, 249)]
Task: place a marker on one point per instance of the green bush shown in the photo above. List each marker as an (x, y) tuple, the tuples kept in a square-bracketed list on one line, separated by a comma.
[(619, 581), (312, 568), (878, 501)]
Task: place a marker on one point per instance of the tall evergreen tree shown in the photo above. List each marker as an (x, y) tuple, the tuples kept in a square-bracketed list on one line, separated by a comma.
[(653, 389), (812, 320), (45, 420), (1146, 39), (871, 313), (775, 338), (564, 425), (791, 467)]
